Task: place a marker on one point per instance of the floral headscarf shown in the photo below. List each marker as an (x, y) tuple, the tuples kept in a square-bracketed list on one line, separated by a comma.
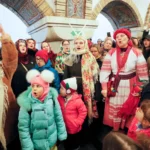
[(90, 71)]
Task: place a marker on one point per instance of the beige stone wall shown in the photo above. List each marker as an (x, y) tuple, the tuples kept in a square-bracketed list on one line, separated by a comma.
[(60, 8), (44, 7), (88, 9)]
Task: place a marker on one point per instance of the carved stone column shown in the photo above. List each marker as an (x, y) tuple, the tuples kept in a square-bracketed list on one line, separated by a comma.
[(55, 29)]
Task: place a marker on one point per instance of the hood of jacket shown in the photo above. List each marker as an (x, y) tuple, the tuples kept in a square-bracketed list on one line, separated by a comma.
[(24, 100)]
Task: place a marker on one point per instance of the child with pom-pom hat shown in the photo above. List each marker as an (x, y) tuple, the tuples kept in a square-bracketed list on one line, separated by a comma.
[(73, 110), (40, 117)]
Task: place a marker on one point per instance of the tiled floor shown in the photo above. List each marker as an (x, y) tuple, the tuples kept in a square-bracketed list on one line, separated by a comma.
[(82, 147), (95, 144)]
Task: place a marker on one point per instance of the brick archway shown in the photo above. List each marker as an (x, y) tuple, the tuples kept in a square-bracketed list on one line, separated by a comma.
[(147, 18), (123, 13), (29, 11)]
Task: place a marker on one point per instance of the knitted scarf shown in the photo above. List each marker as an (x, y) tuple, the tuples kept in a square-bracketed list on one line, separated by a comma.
[(59, 62), (3, 107), (23, 58)]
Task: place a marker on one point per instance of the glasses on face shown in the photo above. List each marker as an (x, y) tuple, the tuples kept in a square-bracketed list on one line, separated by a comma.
[(65, 44), (22, 41), (39, 59)]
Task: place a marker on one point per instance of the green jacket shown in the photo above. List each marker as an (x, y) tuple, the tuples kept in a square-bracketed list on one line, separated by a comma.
[(40, 123)]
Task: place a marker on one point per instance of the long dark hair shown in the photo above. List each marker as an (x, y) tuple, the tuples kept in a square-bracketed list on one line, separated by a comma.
[(119, 141)]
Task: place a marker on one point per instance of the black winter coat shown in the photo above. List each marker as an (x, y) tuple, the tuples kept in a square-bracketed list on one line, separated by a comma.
[(74, 71), (19, 83), (98, 96)]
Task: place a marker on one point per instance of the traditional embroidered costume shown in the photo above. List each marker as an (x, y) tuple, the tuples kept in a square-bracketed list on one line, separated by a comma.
[(127, 67)]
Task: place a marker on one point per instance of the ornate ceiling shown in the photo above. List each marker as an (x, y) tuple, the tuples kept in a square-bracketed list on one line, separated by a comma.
[(121, 14), (29, 11)]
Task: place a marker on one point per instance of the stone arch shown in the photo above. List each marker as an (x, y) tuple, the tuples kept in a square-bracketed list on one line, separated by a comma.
[(29, 11), (123, 13), (147, 18)]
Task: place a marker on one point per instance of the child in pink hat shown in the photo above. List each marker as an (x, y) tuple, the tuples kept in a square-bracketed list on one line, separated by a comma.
[(40, 118)]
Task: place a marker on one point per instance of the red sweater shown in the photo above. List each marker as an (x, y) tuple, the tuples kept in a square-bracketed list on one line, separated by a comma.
[(74, 112), (135, 129)]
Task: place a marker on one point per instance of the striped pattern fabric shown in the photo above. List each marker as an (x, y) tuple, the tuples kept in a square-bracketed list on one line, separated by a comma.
[(135, 63)]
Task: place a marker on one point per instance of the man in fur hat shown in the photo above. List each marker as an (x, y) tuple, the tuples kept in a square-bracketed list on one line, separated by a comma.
[(8, 105)]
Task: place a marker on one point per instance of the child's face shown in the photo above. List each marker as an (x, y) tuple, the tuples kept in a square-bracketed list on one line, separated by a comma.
[(40, 62), (140, 116), (37, 90), (63, 91), (145, 123)]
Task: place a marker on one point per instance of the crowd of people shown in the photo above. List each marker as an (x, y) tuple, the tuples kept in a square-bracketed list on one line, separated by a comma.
[(97, 93)]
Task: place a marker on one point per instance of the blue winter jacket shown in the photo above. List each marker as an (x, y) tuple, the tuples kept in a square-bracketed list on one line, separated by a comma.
[(48, 66), (40, 123)]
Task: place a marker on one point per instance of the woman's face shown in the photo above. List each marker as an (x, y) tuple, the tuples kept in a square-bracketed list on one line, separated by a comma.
[(135, 41), (146, 43), (31, 44), (46, 46), (95, 52), (108, 44), (79, 44), (22, 47), (66, 46), (122, 40)]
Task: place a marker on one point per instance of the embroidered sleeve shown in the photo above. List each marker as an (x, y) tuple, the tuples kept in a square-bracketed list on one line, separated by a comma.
[(105, 71), (141, 67)]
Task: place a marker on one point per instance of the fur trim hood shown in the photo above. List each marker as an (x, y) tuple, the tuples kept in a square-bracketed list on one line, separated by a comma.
[(24, 100)]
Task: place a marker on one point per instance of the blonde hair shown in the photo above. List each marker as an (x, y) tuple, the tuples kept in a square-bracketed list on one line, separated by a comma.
[(80, 38), (108, 39), (96, 46)]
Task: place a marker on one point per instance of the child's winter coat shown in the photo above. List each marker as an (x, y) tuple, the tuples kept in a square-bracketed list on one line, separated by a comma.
[(74, 112), (40, 123), (135, 128)]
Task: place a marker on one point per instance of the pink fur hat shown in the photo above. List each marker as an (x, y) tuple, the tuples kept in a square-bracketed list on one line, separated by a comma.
[(43, 79)]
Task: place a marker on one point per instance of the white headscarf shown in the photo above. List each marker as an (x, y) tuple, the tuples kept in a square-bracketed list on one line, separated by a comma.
[(3, 106)]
